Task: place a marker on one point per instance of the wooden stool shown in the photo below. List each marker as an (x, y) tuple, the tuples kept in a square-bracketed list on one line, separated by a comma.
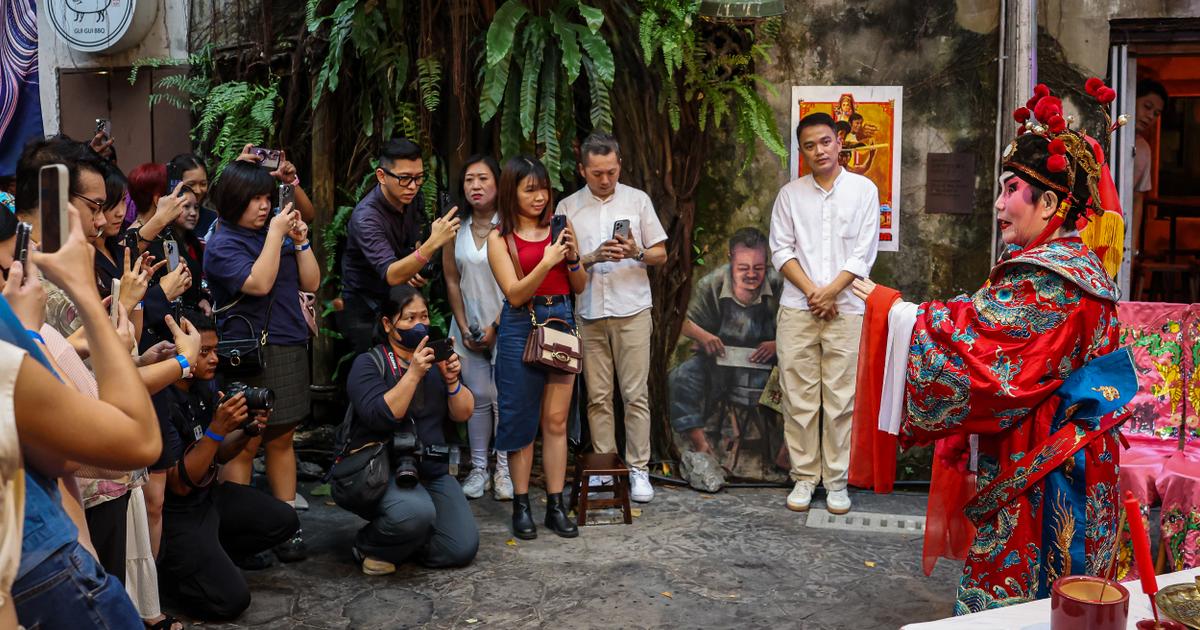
[(610, 464)]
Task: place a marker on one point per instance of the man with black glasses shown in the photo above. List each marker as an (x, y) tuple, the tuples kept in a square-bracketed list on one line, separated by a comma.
[(383, 247)]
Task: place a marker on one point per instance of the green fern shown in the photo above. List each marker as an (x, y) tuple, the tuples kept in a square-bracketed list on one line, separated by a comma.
[(429, 77)]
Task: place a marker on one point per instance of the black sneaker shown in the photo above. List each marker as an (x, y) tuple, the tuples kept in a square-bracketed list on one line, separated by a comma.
[(293, 550)]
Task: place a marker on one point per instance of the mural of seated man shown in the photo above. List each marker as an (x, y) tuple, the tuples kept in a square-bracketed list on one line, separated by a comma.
[(714, 394)]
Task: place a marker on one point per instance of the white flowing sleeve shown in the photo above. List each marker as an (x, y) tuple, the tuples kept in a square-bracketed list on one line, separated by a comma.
[(901, 319)]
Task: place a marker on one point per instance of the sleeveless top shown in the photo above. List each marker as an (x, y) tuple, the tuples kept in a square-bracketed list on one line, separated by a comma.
[(529, 253), (12, 477), (482, 297)]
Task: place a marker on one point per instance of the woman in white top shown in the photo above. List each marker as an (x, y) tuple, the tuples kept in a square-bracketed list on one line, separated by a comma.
[(476, 300)]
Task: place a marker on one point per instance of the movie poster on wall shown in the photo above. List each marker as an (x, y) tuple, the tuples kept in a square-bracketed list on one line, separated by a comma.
[(868, 122)]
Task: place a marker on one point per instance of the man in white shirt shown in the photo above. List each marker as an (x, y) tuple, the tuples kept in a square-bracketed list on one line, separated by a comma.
[(614, 310), (824, 234)]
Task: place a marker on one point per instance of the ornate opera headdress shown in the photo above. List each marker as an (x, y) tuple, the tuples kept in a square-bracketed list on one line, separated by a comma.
[(1049, 154)]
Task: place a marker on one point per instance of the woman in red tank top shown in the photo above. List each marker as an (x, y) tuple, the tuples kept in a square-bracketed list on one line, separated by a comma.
[(527, 397)]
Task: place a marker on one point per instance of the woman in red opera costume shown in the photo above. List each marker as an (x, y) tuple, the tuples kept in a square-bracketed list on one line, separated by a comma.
[(1019, 385)]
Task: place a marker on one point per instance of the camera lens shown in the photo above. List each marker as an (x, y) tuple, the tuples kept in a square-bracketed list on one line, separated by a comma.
[(260, 398), (406, 472)]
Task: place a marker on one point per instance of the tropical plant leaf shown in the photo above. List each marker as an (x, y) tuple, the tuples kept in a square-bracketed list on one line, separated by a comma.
[(495, 80), (547, 134), (600, 111), (502, 30), (600, 54), (593, 16), (568, 44), (429, 78), (534, 45), (510, 123)]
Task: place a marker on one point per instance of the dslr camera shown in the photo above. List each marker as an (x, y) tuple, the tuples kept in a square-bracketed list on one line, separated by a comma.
[(407, 450), (257, 399)]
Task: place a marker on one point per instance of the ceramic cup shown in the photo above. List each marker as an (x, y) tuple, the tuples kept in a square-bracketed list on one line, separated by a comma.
[(1075, 604)]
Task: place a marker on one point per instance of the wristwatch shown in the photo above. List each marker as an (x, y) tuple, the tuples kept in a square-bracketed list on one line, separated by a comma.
[(641, 255)]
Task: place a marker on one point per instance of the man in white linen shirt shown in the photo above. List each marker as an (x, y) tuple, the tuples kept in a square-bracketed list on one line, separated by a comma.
[(614, 310), (824, 234)]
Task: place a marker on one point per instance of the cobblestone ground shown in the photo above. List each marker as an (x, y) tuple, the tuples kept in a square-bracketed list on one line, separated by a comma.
[(737, 559)]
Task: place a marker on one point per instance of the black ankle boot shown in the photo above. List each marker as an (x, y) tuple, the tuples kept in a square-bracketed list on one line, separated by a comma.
[(522, 520), (556, 517)]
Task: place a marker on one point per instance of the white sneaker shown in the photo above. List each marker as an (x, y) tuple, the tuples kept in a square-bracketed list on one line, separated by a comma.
[(502, 488), (640, 488), (595, 481), (800, 496), (837, 501), (476, 483), (301, 503)]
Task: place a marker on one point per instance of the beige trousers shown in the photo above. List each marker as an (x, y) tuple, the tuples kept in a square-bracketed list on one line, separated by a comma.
[(623, 343), (818, 362)]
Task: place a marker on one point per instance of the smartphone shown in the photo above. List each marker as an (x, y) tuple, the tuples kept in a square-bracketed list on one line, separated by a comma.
[(115, 293), (558, 223), (104, 126), (131, 241), (172, 250), (174, 177), (21, 253), (271, 158), (621, 228), (287, 194), (52, 197), (442, 349)]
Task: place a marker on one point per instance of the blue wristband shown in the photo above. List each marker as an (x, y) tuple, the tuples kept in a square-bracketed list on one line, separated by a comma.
[(304, 247), (456, 389), (213, 436), (183, 363), (36, 336)]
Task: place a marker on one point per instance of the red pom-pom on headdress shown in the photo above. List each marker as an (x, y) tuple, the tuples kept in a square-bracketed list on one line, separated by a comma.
[(1057, 124), (1057, 147), (1032, 102), (1056, 163), (1021, 114), (1041, 90), (1092, 85), (1047, 107), (1106, 95)]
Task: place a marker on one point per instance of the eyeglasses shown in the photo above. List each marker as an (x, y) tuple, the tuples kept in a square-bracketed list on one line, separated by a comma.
[(97, 206), (405, 180)]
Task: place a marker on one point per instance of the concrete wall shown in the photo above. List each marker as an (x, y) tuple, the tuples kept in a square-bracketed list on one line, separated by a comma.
[(168, 37)]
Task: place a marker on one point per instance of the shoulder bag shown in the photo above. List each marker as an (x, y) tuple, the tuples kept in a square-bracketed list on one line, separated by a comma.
[(548, 348), (242, 356), (358, 478)]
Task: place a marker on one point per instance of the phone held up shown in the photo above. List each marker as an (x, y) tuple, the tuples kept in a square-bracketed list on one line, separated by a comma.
[(558, 223), (174, 178), (271, 158), (287, 195), (115, 294), (621, 229), (21, 252), (171, 248), (442, 349), (52, 198), (104, 126)]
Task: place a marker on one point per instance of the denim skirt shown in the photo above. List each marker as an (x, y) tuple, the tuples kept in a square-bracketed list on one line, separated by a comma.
[(518, 385)]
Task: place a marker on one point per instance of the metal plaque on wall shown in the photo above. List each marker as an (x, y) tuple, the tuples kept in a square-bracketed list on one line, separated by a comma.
[(950, 183)]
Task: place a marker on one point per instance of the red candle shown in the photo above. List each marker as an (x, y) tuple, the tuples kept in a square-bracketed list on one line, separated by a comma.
[(1141, 545)]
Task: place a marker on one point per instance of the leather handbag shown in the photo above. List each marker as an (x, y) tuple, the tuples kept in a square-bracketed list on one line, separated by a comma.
[(242, 356), (548, 348)]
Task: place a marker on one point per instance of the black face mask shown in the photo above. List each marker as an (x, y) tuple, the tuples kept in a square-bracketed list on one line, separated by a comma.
[(411, 338)]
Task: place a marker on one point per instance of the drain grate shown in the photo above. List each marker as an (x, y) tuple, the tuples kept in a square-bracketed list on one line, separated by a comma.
[(867, 522)]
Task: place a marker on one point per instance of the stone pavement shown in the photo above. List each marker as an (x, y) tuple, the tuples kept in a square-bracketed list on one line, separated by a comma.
[(737, 559)]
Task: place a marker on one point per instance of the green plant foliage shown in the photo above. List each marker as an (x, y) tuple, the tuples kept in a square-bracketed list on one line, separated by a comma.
[(532, 63), (229, 115), (724, 87), (429, 77)]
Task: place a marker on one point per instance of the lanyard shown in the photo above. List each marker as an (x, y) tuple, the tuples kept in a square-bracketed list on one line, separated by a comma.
[(397, 370)]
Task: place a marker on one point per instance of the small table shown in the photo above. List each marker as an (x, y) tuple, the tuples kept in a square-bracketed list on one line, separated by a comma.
[(1036, 615)]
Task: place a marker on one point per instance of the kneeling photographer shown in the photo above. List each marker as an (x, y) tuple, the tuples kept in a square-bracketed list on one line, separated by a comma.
[(210, 527), (399, 405)]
